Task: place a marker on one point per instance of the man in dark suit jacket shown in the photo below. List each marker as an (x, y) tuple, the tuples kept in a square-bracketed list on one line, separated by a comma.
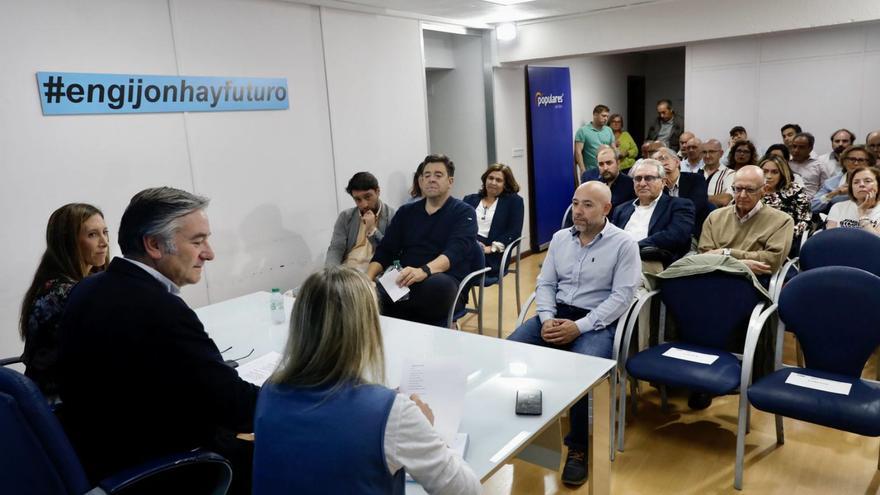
[(685, 185), (139, 377), (661, 224)]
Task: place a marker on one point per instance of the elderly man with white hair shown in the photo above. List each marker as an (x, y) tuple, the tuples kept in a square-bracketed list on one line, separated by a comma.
[(587, 281), (684, 185), (757, 235)]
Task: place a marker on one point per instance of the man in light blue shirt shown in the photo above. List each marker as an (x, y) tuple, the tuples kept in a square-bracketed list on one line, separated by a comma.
[(589, 137), (587, 281)]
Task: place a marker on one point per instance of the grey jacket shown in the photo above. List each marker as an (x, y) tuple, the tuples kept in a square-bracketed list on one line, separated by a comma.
[(345, 232)]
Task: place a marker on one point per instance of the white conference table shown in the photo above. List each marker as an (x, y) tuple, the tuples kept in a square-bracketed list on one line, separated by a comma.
[(496, 369)]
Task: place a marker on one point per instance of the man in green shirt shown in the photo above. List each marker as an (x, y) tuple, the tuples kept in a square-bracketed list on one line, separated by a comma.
[(589, 137)]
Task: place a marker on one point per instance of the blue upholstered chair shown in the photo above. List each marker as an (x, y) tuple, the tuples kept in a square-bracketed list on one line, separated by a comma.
[(706, 325), (37, 457), (837, 338), (475, 280)]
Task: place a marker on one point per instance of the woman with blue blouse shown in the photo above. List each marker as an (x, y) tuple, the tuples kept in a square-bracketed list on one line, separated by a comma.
[(499, 213)]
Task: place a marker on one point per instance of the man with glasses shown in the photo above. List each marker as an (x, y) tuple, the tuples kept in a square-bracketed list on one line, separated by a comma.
[(661, 224), (872, 142), (693, 156), (835, 190), (757, 235), (719, 179)]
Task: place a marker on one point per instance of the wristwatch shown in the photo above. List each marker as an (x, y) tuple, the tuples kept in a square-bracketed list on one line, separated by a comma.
[(725, 251), (426, 269)]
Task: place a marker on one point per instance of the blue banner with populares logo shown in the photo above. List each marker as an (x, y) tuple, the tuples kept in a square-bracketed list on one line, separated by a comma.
[(551, 150)]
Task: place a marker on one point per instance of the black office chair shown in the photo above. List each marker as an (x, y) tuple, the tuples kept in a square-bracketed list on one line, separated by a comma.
[(37, 458)]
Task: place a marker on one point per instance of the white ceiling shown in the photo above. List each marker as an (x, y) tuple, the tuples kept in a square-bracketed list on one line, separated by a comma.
[(478, 13)]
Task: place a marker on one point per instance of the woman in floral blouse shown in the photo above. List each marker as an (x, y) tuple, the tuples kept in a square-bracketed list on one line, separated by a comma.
[(784, 194), (77, 244)]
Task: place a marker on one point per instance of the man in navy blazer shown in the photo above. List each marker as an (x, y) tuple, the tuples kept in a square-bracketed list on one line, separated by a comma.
[(685, 185), (139, 376), (656, 220)]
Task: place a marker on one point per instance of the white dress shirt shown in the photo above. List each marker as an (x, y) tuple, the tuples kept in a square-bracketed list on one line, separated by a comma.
[(638, 223), (412, 443), (687, 167), (484, 217)]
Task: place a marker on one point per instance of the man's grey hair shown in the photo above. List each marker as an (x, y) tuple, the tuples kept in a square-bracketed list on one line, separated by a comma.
[(650, 162), (668, 152), (156, 212)]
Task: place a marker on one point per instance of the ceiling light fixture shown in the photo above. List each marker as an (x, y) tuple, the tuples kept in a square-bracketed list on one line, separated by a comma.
[(505, 32), (508, 2)]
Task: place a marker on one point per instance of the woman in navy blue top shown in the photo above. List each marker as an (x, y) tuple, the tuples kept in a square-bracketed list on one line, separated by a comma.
[(499, 213), (324, 421)]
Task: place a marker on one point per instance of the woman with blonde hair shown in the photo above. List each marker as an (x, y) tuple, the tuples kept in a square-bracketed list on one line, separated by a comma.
[(324, 421), (77, 245), (784, 194)]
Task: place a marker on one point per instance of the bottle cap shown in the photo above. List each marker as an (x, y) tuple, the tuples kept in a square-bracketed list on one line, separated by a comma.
[(276, 290)]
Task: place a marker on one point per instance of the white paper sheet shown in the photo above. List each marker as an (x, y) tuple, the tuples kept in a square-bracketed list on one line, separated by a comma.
[(389, 282), (258, 370), (692, 356), (440, 383), (821, 384)]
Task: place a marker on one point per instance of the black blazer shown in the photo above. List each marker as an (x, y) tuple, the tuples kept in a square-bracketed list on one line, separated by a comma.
[(507, 223), (670, 226), (693, 187), (138, 375)]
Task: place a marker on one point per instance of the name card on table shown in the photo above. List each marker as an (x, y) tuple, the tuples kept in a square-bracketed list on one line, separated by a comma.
[(692, 356)]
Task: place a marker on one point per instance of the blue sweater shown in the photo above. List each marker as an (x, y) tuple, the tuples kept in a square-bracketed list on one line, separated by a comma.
[(415, 238)]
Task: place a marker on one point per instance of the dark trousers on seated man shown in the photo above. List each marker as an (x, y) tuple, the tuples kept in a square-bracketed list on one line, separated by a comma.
[(427, 302), (597, 343)]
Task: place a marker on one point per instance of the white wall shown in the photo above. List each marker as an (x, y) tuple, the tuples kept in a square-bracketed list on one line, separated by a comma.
[(822, 79), (276, 178), (457, 111), (510, 132), (662, 24)]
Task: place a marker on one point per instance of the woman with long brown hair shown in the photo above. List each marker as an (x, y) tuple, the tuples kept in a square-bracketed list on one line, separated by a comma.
[(77, 244)]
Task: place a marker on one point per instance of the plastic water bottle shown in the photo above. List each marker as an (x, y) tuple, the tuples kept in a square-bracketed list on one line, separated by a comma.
[(276, 306)]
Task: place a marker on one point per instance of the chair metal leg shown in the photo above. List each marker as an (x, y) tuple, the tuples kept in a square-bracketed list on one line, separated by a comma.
[(748, 420), (518, 304), (780, 433), (480, 310), (500, 302), (621, 410), (741, 440), (613, 413)]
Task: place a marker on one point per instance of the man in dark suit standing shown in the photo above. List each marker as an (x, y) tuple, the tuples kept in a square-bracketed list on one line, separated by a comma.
[(139, 377), (685, 185), (661, 224)]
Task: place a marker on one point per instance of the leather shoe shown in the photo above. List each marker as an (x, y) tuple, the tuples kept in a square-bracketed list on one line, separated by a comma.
[(575, 470), (699, 400)]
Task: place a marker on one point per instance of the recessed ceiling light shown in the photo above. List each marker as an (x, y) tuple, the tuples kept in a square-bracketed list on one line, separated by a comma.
[(505, 32), (508, 2)]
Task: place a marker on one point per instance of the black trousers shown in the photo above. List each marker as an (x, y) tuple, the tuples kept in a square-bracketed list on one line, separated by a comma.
[(428, 302)]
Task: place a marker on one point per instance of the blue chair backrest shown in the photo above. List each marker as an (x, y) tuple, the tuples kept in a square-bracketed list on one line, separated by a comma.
[(478, 257), (708, 308), (842, 247), (36, 456), (832, 312)]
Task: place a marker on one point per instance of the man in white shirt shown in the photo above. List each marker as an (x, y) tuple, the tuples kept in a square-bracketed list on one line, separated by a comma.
[(693, 152), (813, 171), (719, 179), (841, 139)]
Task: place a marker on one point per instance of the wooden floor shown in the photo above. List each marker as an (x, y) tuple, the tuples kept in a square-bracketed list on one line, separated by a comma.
[(692, 452)]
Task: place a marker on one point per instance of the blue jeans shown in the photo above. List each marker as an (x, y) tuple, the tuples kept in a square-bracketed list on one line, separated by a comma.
[(594, 343)]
